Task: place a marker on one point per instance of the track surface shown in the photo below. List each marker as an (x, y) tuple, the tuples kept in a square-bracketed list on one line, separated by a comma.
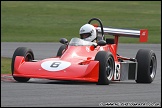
[(52, 93)]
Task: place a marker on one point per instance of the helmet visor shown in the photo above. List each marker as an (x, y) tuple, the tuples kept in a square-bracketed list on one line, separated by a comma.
[(85, 35)]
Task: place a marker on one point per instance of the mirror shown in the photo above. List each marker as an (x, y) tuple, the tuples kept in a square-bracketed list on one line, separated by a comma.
[(101, 42), (63, 41)]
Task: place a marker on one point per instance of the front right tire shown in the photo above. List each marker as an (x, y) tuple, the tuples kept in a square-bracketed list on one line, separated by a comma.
[(27, 54)]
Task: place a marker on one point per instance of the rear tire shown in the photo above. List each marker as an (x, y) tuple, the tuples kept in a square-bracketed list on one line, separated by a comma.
[(27, 54), (147, 65), (106, 67)]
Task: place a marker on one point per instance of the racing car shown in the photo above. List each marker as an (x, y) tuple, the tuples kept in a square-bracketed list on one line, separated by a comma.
[(80, 60)]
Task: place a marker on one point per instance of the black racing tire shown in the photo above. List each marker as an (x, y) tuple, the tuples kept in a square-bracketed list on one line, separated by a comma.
[(147, 65), (106, 67), (59, 52), (27, 54)]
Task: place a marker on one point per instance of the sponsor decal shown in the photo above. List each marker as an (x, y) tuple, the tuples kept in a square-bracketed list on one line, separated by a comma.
[(55, 65), (101, 49), (143, 33), (82, 30), (87, 49)]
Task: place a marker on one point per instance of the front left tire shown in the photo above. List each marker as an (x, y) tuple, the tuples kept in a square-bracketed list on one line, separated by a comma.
[(106, 67)]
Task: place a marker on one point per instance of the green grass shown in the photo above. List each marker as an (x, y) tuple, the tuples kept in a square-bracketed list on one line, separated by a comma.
[(5, 65), (48, 21)]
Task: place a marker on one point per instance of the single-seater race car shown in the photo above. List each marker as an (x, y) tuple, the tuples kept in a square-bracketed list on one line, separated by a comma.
[(80, 60)]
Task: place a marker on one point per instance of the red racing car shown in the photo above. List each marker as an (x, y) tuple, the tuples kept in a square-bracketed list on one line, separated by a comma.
[(86, 61)]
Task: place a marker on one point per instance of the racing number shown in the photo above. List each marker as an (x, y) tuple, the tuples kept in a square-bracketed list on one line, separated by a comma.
[(55, 64), (117, 71)]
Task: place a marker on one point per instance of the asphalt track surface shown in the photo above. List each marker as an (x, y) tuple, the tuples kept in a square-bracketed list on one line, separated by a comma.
[(52, 93)]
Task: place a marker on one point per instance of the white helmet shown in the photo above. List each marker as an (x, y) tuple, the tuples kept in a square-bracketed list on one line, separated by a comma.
[(88, 32)]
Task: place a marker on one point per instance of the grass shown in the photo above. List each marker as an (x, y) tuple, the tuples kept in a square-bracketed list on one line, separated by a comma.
[(48, 21), (5, 65)]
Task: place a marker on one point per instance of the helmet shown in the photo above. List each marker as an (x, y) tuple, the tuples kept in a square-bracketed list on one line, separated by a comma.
[(88, 32)]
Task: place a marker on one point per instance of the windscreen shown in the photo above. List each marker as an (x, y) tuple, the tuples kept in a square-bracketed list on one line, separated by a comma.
[(80, 42)]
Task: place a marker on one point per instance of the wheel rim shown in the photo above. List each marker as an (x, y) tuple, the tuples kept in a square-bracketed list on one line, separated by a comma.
[(153, 65), (109, 68)]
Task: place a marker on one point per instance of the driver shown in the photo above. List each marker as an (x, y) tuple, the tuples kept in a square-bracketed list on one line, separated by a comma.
[(88, 33)]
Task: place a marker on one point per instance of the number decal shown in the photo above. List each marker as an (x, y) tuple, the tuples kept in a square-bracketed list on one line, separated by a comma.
[(117, 72), (55, 65)]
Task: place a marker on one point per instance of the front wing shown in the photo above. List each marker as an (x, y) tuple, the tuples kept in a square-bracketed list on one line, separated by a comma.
[(48, 69)]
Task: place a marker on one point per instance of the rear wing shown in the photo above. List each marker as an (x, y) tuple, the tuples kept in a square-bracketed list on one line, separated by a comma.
[(141, 34)]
